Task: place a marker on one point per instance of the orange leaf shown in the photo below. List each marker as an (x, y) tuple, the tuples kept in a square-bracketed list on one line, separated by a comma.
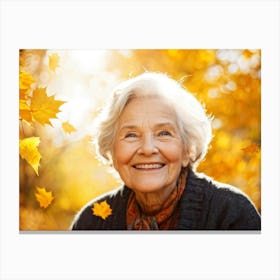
[(24, 111), (43, 197), (102, 209), (53, 61), (28, 150), (252, 149), (44, 107), (68, 128)]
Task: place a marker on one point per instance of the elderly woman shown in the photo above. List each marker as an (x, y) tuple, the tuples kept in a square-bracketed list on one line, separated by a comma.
[(155, 133)]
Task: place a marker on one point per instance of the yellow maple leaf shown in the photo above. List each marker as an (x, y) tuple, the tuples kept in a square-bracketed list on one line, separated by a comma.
[(24, 111), (44, 107), (53, 61), (28, 150), (25, 82), (102, 209), (251, 149), (68, 128), (43, 197)]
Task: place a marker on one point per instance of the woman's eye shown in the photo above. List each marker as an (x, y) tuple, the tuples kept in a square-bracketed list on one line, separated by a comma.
[(164, 133), (130, 135)]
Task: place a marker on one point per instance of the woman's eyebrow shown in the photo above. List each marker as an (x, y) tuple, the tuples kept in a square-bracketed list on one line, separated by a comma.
[(165, 124), (128, 126), (157, 125)]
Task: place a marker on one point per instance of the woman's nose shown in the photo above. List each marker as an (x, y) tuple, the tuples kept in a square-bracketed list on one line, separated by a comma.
[(148, 145)]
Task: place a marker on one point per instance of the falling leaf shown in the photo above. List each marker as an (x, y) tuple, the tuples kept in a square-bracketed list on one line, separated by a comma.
[(247, 54), (53, 61), (28, 150), (24, 111), (102, 209), (25, 82), (68, 128), (252, 149), (44, 107), (43, 197)]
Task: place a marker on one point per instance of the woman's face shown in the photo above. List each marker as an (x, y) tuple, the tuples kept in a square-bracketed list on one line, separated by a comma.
[(148, 148)]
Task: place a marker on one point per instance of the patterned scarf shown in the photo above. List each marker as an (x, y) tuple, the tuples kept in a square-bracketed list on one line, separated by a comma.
[(166, 219)]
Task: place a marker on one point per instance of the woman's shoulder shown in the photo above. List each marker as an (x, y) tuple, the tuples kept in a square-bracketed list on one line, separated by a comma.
[(85, 217), (227, 203), (109, 196), (210, 187)]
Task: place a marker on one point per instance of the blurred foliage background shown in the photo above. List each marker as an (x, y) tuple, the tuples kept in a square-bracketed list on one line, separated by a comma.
[(227, 81)]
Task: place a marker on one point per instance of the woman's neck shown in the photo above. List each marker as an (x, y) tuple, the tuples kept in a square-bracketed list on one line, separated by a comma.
[(152, 202)]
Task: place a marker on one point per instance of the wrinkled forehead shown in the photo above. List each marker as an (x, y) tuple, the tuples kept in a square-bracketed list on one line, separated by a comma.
[(152, 109)]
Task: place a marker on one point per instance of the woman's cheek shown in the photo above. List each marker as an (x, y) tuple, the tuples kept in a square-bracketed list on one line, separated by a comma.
[(172, 151), (123, 153)]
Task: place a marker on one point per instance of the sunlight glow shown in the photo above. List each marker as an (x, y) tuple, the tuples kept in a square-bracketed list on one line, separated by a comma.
[(88, 60), (77, 72)]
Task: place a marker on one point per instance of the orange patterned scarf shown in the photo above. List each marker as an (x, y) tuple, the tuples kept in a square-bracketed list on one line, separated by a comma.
[(166, 219)]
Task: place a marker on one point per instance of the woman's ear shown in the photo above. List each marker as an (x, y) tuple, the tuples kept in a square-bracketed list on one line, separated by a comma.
[(186, 159), (192, 154), (185, 163)]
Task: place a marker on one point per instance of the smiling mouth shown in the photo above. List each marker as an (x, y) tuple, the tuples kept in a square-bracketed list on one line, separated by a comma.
[(148, 166)]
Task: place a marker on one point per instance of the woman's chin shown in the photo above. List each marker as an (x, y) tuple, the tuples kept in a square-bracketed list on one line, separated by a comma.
[(147, 187)]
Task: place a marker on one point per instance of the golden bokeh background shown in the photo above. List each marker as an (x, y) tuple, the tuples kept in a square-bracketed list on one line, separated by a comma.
[(226, 81)]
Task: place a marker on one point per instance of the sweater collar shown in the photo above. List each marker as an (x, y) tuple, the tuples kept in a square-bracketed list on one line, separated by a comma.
[(190, 206)]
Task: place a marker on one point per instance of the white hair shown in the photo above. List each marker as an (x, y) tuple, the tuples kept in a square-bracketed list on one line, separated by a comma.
[(192, 120)]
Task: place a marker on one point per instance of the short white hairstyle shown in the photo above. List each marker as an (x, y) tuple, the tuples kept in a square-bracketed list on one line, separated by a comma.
[(193, 122)]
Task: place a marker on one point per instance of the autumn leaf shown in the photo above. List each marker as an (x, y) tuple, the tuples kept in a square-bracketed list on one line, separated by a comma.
[(53, 61), (102, 209), (68, 128), (44, 107), (24, 111), (43, 197), (28, 150), (25, 82), (252, 149)]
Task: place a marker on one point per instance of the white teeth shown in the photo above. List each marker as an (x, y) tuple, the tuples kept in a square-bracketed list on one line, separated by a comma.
[(148, 166)]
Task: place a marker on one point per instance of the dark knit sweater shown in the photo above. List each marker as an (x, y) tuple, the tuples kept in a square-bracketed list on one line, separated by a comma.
[(205, 205)]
